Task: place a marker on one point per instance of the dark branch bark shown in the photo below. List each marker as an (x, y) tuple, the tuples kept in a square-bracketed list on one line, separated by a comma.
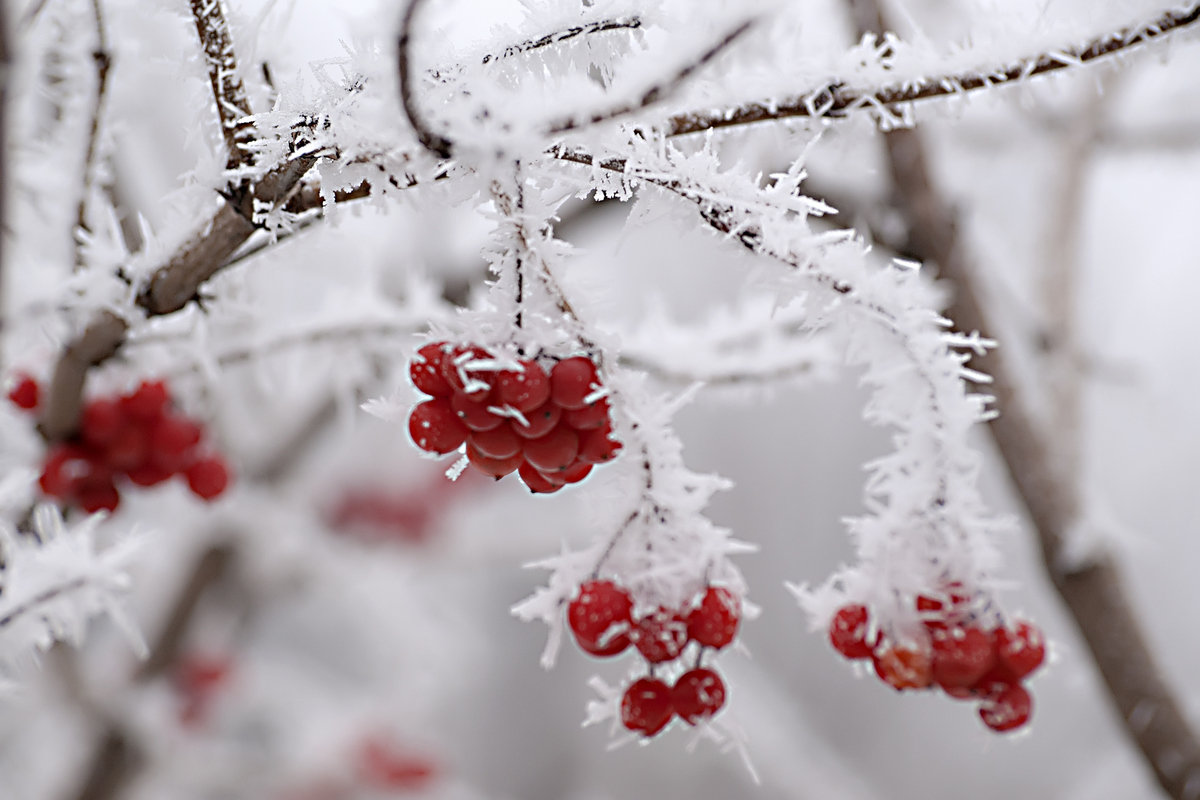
[(433, 142), (1091, 589), (837, 100), (230, 94)]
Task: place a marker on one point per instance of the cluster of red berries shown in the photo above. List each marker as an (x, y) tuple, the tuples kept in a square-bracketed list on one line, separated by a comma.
[(550, 427), (955, 653), (602, 619), (136, 435)]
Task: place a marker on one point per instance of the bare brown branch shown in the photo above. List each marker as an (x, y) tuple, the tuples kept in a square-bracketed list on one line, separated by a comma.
[(1092, 589), (233, 107), (557, 37), (435, 143), (836, 99), (102, 61)]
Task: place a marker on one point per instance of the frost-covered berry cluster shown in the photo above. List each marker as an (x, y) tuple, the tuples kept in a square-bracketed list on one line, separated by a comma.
[(550, 426), (958, 647)]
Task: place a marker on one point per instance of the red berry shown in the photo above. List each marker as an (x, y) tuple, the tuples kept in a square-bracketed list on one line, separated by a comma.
[(524, 390), (26, 393), (499, 442), (149, 474), (1007, 711), (576, 472), (698, 694), (435, 428), (147, 402), (714, 622), (553, 452), (460, 368), (944, 609), (129, 447), (904, 667), (600, 617), (589, 417), (961, 656), (207, 477), (494, 467), (475, 415), (536, 481), (661, 635), (849, 631), (540, 421), (596, 446), (65, 464), (171, 441), (646, 706), (1020, 650), (572, 381), (425, 369), (97, 495), (102, 420)]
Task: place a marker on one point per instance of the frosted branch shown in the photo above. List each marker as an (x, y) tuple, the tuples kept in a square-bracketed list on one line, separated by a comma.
[(233, 107)]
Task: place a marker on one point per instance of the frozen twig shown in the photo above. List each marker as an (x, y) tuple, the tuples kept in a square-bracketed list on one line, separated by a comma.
[(233, 107), (1092, 590), (566, 34), (836, 99), (102, 60), (434, 142)]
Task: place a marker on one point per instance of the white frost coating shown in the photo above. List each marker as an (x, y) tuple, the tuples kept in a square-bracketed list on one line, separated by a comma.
[(55, 583)]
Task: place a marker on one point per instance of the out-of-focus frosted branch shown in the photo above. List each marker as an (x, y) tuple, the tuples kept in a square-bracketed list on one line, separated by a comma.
[(103, 61)]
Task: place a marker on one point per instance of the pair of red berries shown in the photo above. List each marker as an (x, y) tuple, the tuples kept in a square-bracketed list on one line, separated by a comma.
[(550, 428), (138, 436), (955, 654), (649, 703)]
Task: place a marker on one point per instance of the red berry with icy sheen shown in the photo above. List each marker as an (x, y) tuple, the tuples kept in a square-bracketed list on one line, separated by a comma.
[(475, 416), (500, 442), (426, 367), (698, 694), (588, 417), (596, 446), (435, 428), (904, 667), (207, 477), (849, 630), (714, 622), (576, 472), (1008, 710), (493, 467), (553, 452), (600, 617), (539, 422), (25, 394), (646, 706), (572, 381), (661, 635), (1021, 649), (525, 389), (537, 482), (961, 656), (461, 370)]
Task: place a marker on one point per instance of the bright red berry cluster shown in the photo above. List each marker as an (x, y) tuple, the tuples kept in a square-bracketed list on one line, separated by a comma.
[(954, 654), (137, 436), (550, 427), (602, 619)]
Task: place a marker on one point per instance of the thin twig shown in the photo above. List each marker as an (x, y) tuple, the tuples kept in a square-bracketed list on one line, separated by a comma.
[(557, 37), (5, 74), (657, 92), (436, 143), (233, 107), (1091, 588), (835, 99), (102, 61)]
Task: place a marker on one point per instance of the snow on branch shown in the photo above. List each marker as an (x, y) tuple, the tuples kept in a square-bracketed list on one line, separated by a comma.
[(55, 581), (233, 107), (840, 97)]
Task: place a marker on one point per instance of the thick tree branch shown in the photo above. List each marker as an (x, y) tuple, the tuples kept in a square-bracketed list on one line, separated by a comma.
[(1092, 589), (233, 107), (836, 99)]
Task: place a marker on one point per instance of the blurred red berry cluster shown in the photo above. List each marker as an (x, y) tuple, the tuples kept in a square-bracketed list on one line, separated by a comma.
[(137, 437), (601, 618), (953, 652), (550, 427)]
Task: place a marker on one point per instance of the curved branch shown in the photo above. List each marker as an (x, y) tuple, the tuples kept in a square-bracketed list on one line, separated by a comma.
[(435, 143), (836, 99)]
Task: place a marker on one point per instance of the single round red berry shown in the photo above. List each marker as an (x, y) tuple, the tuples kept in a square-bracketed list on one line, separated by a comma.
[(849, 631), (65, 464), (149, 474), (600, 617), (1008, 711), (435, 428), (475, 416), (525, 389), (461, 370), (714, 622), (576, 472), (553, 452), (536, 481), (904, 666), (1021, 649), (102, 420), (499, 442), (589, 417), (207, 477), (646, 706), (98, 495), (661, 635), (698, 694), (25, 393), (493, 467), (596, 446), (147, 402), (425, 369), (572, 381), (961, 656), (538, 422)]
